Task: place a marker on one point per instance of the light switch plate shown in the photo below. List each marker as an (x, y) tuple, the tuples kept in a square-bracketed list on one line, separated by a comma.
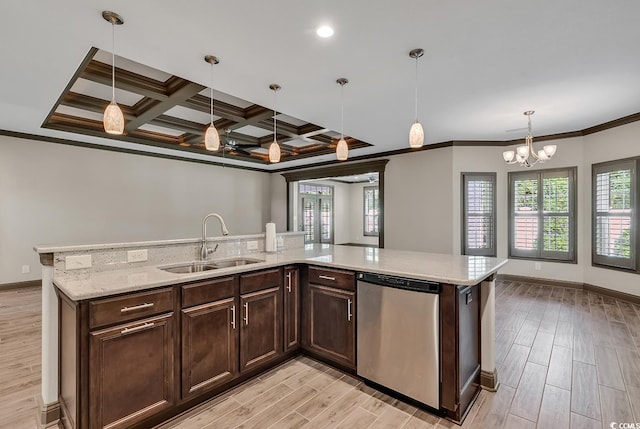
[(252, 245), (140, 255), (77, 262)]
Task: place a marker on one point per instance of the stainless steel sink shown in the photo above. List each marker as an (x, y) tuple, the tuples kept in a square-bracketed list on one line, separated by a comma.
[(200, 266), (192, 267), (234, 262)]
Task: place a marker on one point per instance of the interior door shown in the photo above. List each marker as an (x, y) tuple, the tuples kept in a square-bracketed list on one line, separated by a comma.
[(316, 214)]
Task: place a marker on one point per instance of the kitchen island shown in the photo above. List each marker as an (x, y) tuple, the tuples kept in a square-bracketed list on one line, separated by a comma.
[(84, 291)]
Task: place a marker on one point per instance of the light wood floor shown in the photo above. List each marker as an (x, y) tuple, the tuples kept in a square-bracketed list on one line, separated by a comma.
[(566, 359), (20, 327)]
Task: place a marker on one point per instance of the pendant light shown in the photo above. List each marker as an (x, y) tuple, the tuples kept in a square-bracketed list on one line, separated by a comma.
[(416, 133), (274, 148), (211, 136), (342, 149), (113, 119)]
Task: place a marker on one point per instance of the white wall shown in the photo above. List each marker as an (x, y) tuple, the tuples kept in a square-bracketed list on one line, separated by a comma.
[(357, 214), (616, 143), (489, 159), (51, 193), (417, 201)]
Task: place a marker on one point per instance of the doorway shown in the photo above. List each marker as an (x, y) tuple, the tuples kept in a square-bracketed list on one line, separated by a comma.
[(316, 212)]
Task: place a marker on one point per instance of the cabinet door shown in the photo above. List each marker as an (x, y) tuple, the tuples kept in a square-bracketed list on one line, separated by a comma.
[(131, 372), (261, 327), (332, 323), (291, 308), (468, 343), (209, 346)]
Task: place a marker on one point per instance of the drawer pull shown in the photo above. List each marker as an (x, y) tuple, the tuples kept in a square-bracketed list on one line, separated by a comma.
[(349, 314), (246, 314), (289, 282), (136, 307), (333, 279), (233, 317), (126, 331)]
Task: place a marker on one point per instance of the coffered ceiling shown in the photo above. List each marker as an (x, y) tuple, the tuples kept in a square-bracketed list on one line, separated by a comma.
[(575, 62), (167, 111)]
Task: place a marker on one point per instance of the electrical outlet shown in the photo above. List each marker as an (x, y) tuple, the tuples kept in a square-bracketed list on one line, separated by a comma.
[(137, 255), (538, 266), (77, 262), (252, 245), (280, 241), (26, 269)]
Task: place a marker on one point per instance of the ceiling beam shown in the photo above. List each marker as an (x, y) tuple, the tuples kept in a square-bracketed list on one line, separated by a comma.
[(184, 92), (101, 73)]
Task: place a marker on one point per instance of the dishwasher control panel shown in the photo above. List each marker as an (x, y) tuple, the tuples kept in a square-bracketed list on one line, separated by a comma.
[(400, 282)]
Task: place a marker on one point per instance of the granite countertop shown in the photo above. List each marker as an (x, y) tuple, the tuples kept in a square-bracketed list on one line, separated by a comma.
[(454, 269)]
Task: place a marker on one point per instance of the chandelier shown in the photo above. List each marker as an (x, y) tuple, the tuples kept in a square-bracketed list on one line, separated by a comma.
[(524, 154)]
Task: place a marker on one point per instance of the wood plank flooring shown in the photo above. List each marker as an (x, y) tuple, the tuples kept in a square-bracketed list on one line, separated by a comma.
[(20, 333), (566, 359)]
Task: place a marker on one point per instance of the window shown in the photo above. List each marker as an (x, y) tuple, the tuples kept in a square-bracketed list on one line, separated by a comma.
[(542, 214), (615, 228), (371, 210), (478, 214)]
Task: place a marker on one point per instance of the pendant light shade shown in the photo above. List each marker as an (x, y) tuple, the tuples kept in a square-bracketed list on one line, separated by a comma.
[(113, 119), (274, 152), (416, 133), (274, 148), (211, 136), (342, 149), (212, 139)]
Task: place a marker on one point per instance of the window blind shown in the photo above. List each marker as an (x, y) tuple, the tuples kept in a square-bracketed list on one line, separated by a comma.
[(478, 217), (614, 214), (371, 210)]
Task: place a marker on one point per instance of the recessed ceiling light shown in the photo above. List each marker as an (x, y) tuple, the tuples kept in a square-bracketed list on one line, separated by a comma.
[(324, 31)]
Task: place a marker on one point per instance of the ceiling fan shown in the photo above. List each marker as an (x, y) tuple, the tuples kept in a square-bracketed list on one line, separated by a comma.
[(230, 145)]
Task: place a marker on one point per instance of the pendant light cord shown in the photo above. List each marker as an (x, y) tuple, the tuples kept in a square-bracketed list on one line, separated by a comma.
[(342, 111), (275, 105), (113, 63), (416, 89), (211, 92)]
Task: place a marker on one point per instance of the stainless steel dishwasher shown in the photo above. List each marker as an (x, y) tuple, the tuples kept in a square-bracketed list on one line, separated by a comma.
[(398, 326)]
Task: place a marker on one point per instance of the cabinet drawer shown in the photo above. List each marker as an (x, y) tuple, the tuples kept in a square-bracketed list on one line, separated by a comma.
[(129, 307), (208, 291), (259, 280), (333, 278)]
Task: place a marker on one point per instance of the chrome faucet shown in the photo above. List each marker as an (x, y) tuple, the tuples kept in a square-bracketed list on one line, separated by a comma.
[(204, 250)]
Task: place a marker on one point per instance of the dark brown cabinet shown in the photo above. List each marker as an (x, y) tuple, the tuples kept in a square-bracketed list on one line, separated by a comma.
[(261, 318), (329, 319), (460, 323), (209, 335), (131, 372), (291, 300)]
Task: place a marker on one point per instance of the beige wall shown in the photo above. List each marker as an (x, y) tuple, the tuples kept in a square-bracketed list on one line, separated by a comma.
[(51, 193), (418, 200)]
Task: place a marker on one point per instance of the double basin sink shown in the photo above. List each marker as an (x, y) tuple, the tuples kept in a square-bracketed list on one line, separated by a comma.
[(200, 266)]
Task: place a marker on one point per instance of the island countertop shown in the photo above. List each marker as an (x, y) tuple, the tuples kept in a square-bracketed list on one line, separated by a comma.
[(444, 268)]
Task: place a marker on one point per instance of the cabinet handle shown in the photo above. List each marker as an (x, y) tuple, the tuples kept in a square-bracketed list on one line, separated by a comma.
[(136, 307), (289, 282), (126, 331), (246, 314), (333, 279), (349, 315), (233, 316)]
